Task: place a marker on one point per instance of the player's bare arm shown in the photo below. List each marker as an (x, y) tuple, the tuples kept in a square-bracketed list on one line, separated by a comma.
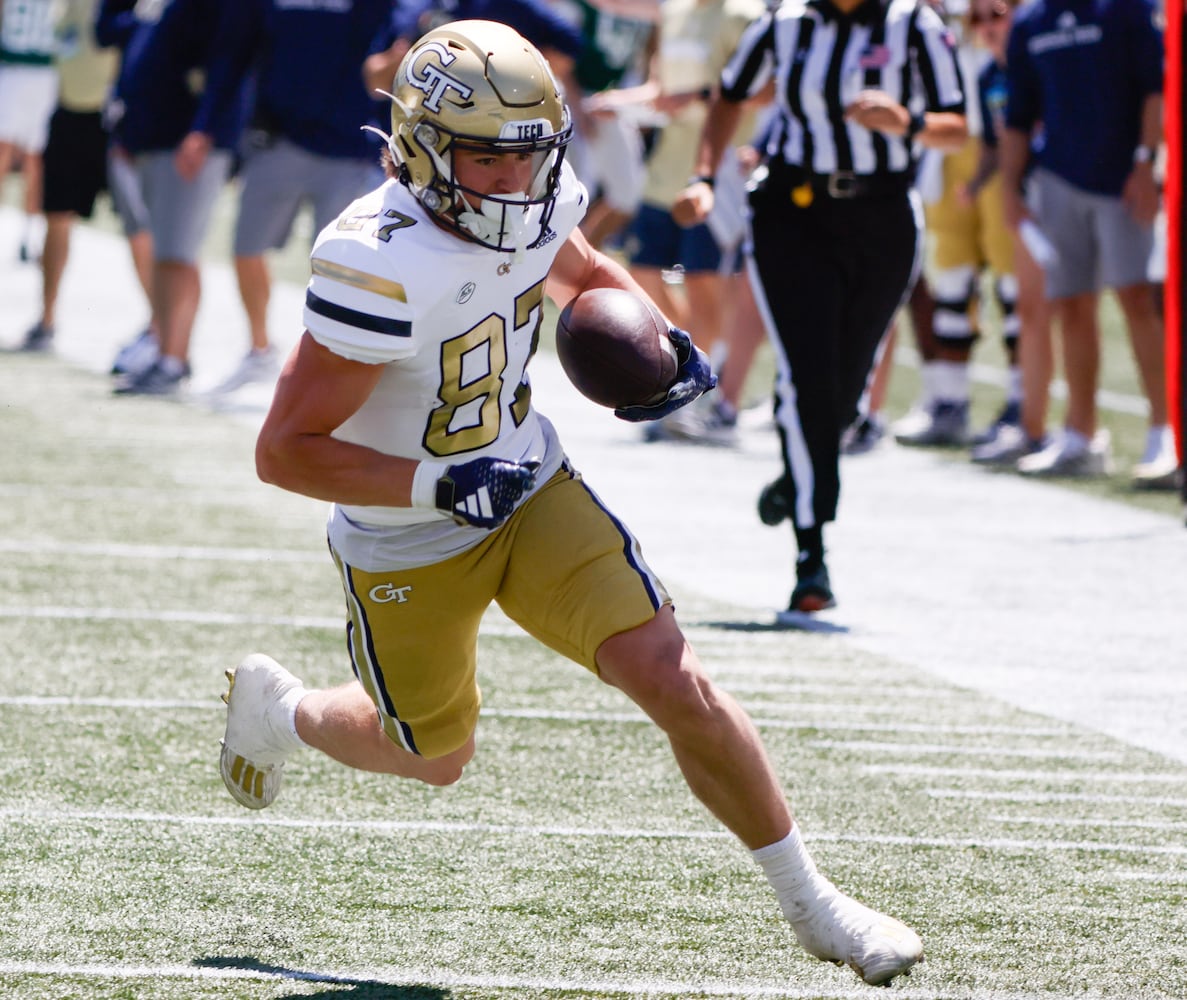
[(579, 267), (695, 202), (296, 450), (1013, 154)]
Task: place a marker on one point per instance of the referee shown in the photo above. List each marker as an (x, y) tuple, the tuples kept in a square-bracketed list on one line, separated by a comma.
[(835, 224)]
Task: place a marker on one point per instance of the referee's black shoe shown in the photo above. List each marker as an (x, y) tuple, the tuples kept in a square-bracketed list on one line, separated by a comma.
[(813, 590), (774, 503)]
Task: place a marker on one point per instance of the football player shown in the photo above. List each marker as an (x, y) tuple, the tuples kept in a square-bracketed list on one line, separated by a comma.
[(406, 404)]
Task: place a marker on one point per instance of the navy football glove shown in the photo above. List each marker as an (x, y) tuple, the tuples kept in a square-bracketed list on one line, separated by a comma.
[(485, 491), (694, 376)]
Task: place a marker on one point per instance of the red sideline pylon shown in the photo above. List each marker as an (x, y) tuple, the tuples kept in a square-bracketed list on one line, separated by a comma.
[(1176, 354)]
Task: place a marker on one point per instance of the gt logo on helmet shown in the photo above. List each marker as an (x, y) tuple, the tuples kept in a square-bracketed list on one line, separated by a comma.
[(432, 79)]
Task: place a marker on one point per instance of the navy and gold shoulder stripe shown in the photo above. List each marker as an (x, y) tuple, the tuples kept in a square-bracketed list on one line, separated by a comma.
[(353, 317)]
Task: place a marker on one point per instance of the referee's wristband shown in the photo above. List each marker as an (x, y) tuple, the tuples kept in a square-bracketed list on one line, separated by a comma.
[(701, 179)]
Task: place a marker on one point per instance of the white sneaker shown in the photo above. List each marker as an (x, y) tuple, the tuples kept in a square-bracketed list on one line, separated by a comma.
[(945, 423), (837, 929), (258, 366), (1159, 465), (703, 422), (257, 742), (137, 356), (1008, 446), (1069, 454)]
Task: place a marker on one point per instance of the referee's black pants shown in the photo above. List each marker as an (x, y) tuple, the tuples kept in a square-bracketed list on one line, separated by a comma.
[(829, 277)]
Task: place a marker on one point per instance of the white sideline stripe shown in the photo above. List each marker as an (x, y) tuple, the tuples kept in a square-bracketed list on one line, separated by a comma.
[(1106, 399), (871, 746), (397, 977), (518, 830), (1137, 824), (125, 551), (1053, 797), (950, 729), (989, 772)]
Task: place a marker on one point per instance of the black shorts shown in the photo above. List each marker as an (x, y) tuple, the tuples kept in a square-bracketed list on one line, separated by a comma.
[(75, 161)]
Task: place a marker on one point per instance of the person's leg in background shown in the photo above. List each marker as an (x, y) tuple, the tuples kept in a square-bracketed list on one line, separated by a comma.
[(127, 196), (997, 250), (180, 211), (1036, 367), (1068, 217)]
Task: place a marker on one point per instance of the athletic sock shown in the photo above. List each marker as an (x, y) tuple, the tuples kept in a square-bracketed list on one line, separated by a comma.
[(1014, 385), (792, 874), (284, 725), (810, 543), (951, 381), (171, 366), (1077, 441)]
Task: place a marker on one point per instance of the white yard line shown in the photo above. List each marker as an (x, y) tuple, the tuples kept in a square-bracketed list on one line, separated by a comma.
[(124, 550), (271, 820), (178, 616), (1001, 774), (633, 717), (1136, 824), (922, 749), (1050, 798)]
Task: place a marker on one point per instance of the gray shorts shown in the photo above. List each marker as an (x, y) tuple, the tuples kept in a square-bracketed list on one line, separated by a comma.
[(1098, 244), (279, 177), (180, 210), (123, 183)]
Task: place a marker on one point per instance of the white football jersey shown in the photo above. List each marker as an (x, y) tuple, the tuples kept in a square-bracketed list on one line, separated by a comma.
[(455, 325)]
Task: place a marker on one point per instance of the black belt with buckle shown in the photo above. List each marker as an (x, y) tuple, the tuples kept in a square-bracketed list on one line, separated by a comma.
[(843, 185)]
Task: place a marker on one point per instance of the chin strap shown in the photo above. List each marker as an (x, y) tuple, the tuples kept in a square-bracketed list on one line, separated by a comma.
[(497, 220)]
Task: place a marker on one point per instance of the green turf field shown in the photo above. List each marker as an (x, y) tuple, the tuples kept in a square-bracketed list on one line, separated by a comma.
[(142, 558)]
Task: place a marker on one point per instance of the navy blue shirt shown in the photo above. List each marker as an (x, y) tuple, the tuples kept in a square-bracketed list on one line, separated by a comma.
[(1084, 68), (991, 96), (536, 21), (161, 92), (308, 59)]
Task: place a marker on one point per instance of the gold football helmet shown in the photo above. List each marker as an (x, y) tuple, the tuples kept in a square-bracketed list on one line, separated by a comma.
[(479, 85)]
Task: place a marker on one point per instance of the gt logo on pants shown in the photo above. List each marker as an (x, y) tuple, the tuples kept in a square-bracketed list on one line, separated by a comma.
[(385, 593)]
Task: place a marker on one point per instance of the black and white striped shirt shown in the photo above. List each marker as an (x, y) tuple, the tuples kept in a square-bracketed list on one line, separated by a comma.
[(821, 59)]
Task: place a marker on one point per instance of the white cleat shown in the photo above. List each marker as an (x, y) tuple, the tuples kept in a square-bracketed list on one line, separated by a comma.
[(837, 929), (253, 753)]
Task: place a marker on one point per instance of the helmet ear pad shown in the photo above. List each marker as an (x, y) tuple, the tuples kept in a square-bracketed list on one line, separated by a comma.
[(479, 84)]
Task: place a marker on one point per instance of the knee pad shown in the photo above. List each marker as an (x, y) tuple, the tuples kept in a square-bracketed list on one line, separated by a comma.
[(954, 290), (1006, 291)]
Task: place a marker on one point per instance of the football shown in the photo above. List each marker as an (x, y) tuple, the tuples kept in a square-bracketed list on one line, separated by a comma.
[(614, 347)]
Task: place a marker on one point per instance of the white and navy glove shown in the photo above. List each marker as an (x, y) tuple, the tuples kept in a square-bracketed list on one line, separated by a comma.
[(482, 492), (694, 377)]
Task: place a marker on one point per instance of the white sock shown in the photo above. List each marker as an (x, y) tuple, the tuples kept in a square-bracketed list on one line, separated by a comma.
[(927, 388), (33, 233), (171, 366), (1075, 440), (951, 381), (1014, 385), (792, 874), (285, 727), (718, 354), (726, 410)]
